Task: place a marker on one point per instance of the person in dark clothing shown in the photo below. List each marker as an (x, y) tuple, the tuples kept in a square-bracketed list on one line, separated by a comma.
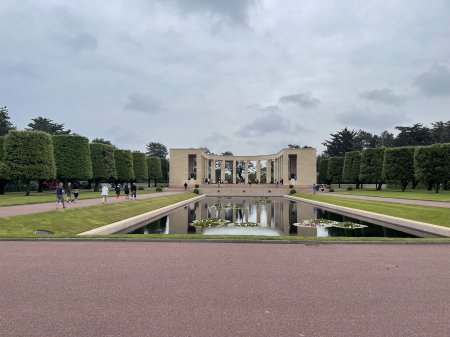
[(185, 186), (60, 195), (133, 191), (126, 189), (117, 190)]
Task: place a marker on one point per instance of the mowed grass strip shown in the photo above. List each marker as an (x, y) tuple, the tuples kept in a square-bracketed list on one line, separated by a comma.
[(433, 215), (69, 222), (19, 198), (418, 194)]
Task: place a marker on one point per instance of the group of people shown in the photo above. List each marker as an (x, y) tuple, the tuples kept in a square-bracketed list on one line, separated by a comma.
[(117, 189), (316, 188), (62, 191)]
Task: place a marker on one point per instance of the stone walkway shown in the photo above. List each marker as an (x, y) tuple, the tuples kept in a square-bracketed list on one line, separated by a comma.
[(135, 289), (51, 206)]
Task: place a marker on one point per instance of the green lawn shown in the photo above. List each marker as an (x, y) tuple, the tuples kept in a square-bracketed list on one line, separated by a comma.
[(19, 198), (69, 222), (433, 215), (418, 194)]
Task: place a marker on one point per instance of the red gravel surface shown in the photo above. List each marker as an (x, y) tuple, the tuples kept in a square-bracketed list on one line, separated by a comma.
[(223, 289)]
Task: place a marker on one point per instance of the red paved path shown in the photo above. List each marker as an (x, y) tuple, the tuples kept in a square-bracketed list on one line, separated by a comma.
[(209, 289)]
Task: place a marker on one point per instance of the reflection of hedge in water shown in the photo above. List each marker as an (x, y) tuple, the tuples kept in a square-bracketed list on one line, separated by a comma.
[(220, 207), (155, 227)]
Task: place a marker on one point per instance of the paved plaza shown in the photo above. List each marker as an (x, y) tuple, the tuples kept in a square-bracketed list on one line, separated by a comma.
[(91, 288)]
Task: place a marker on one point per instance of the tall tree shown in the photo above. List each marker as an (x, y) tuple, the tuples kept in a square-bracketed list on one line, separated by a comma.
[(365, 140), (29, 156), (432, 164), (323, 171), (156, 150), (3, 172), (413, 135), (165, 165), (124, 165), (440, 133), (140, 167), (386, 139), (371, 169), (5, 124), (154, 169), (47, 125), (101, 141), (103, 164), (398, 165), (350, 172), (340, 143), (335, 166)]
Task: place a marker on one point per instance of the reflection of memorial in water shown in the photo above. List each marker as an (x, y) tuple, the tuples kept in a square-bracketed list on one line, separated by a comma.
[(275, 213), (276, 216)]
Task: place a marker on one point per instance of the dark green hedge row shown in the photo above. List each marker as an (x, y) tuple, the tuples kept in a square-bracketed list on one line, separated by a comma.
[(124, 165), (72, 157)]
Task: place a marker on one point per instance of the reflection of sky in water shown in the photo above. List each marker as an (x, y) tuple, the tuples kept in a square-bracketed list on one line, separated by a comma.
[(240, 231)]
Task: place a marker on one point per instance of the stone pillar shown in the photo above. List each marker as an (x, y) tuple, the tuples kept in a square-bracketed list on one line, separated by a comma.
[(269, 214), (246, 171), (275, 170), (199, 173), (234, 172), (268, 170), (258, 170), (222, 170), (258, 213), (286, 176)]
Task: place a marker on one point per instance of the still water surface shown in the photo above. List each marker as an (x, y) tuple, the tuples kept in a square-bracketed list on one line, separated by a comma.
[(276, 216)]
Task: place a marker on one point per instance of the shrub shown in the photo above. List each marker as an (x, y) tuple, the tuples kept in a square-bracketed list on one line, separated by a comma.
[(293, 191), (197, 185), (331, 190), (291, 186), (349, 188), (141, 188), (159, 189), (196, 191)]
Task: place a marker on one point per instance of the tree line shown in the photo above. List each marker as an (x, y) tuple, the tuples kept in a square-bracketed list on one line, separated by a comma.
[(416, 154), (46, 151), (397, 165)]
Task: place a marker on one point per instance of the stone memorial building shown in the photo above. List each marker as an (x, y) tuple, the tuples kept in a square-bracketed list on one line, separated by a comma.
[(291, 166)]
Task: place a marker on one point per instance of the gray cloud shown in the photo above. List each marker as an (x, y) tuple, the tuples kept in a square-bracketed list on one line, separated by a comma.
[(79, 42), (369, 120), (234, 10), (143, 103), (304, 100), (271, 123), (386, 96), (434, 82)]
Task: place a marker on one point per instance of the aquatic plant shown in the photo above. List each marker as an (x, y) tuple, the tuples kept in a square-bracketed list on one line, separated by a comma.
[(210, 222)]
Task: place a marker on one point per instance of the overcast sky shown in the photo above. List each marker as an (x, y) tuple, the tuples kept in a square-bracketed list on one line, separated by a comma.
[(247, 76)]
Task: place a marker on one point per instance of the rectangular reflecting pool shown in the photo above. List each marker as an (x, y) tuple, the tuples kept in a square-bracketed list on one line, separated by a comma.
[(272, 216)]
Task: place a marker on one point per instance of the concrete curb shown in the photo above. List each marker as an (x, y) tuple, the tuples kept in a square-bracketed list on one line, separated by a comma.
[(138, 219), (411, 225)]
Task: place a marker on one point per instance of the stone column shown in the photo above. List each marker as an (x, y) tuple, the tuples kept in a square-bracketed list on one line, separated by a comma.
[(199, 173), (258, 170), (222, 170), (234, 171), (275, 170), (268, 170), (246, 171), (286, 176)]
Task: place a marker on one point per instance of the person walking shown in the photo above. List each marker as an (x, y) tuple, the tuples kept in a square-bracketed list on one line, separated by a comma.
[(75, 191), (185, 186), (105, 191), (69, 192), (126, 189), (60, 195), (117, 190), (133, 191)]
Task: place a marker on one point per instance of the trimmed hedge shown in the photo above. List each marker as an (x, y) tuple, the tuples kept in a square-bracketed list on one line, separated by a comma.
[(140, 167), (124, 165), (72, 157), (103, 164)]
